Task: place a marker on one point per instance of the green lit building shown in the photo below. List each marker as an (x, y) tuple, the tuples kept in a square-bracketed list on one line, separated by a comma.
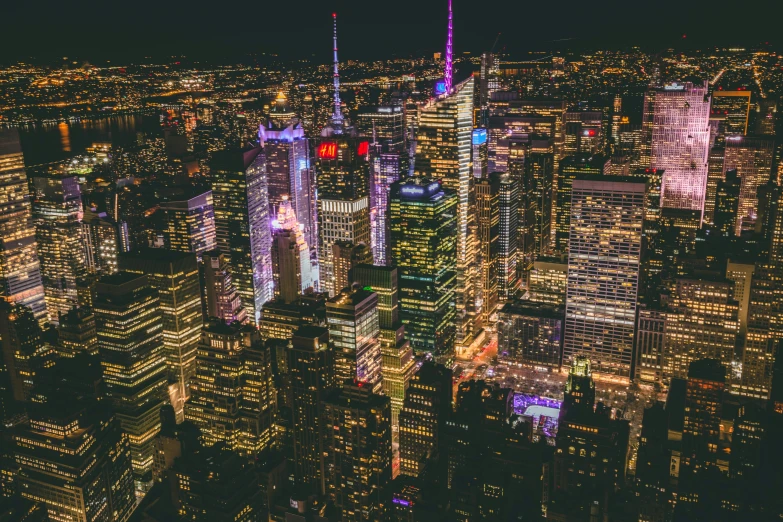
[(424, 249)]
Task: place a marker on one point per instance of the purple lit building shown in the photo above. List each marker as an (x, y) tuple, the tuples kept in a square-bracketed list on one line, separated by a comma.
[(676, 124)]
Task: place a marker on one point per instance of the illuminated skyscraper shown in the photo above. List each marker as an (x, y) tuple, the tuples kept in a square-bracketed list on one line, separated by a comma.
[(342, 178), (175, 276), (347, 255), (752, 158), (220, 294), (102, 241), (446, 156), (77, 333), (676, 126), (20, 273), (291, 266), (234, 398), (239, 191), (480, 158), (531, 334), (356, 444), (548, 281), (423, 234), (25, 349), (288, 166), (488, 218), (57, 210), (423, 417), (311, 371), (352, 316), (384, 127), (397, 356), (190, 224), (130, 343), (603, 271), (508, 235), (730, 109), (74, 459), (570, 168)]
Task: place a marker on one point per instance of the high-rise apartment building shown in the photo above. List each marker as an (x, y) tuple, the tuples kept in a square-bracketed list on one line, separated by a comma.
[(190, 224), (311, 372), (220, 295), (20, 271), (603, 271), (288, 166), (535, 211), (175, 276), (447, 157), (423, 233), (234, 397), (239, 192), (752, 158), (677, 136), (26, 350), (129, 323), (356, 444), (352, 317), (57, 211)]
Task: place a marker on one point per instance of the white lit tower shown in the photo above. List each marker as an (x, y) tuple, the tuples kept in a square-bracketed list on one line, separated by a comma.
[(342, 182), (443, 152)]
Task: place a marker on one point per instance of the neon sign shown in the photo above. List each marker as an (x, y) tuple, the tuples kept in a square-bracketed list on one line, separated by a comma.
[(440, 87), (327, 150), (364, 148), (479, 136)]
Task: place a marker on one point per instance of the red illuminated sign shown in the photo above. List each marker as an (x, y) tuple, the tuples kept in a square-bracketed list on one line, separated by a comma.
[(364, 148), (327, 150)]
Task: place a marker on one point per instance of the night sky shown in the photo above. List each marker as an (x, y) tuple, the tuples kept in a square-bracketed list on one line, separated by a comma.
[(225, 30)]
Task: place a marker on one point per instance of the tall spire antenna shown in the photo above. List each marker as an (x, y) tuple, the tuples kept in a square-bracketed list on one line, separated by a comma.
[(448, 76), (337, 117)]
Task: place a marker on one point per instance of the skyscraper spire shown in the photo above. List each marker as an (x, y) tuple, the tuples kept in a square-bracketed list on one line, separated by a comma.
[(448, 76), (337, 116)]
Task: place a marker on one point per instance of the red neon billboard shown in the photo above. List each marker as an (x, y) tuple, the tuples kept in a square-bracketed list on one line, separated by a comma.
[(327, 150)]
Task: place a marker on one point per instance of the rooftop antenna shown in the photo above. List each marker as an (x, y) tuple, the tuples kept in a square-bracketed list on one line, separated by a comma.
[(448, 76), (337, 117)]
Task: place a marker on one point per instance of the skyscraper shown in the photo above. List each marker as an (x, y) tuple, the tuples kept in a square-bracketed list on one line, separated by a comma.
[(423, 417), (74, 458), (423, 234), (175, 276), (488, 219), (220, 294), (730, 109), (447, 157), (130, 343), (57, 210), (352, 316), (234, 398), (531, 334), (603, 271), (311, 371), (239, 190), (397, 366), (570, 168), (190, 223), (346, 255), (676, 126), (384, 127), (356, 445), (20, 271), (292, 268), (752, 158), (342, 179), (288, 166), (508, 235), (102, 242)]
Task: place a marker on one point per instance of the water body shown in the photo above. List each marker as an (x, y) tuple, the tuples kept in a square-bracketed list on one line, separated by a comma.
[(45, 143)]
